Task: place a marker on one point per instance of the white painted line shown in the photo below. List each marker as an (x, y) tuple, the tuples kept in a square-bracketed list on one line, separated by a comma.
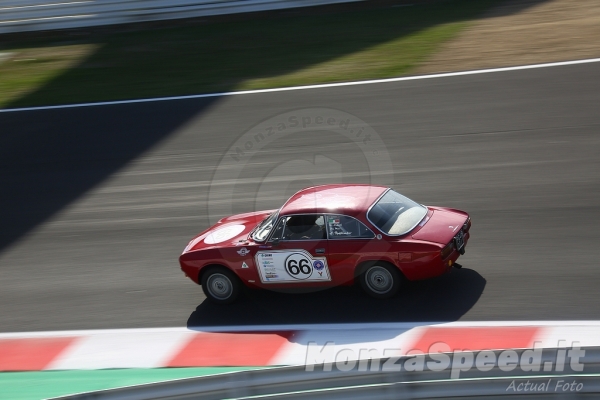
[(47, 18), (44, 5), (374, 326), (319, 86), (78, 333)]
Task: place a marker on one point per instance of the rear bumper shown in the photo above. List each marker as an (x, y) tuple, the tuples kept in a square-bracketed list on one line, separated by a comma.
[(431, 266), (451, 259)]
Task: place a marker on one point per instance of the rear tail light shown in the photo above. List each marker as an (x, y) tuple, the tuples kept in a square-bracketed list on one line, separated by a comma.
[(446, 251), (467, 225)]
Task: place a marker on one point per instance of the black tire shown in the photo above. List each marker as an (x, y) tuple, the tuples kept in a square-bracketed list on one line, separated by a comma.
[(220, 285), (380, 280)]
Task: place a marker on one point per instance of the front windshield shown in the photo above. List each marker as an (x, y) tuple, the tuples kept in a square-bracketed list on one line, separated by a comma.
[(262, 231), (395, 214)]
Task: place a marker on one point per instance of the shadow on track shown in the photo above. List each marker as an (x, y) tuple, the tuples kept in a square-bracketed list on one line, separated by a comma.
[(51, 158), (441, 299)]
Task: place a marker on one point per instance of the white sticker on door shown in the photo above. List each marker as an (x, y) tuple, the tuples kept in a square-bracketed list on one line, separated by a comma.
[(291, 266)]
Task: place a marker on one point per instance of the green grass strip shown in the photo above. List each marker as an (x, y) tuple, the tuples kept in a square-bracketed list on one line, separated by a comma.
[(226, 56), (44, 384)]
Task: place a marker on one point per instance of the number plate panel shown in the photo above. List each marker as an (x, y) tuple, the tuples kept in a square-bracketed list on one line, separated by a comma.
[(459, 240), (291, 266)]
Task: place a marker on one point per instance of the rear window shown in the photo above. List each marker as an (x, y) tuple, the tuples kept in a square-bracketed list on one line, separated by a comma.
[(395, 214)]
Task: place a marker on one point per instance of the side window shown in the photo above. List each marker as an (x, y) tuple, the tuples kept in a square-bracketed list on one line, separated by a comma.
[(301, 227), (344, 227)]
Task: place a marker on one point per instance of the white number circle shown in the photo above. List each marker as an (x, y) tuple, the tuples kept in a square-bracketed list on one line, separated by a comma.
[(298, 266)]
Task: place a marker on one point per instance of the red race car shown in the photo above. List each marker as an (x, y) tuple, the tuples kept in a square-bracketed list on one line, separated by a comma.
[(326, 236)]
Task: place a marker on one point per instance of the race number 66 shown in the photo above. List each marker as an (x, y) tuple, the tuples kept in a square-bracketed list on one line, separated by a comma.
[(298, 266)]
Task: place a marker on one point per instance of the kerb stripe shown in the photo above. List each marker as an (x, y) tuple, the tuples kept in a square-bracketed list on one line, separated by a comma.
[(31, 354), (230, 349), (478, 338)]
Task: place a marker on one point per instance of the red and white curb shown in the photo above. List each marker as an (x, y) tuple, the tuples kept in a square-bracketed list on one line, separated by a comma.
[(273, 345)]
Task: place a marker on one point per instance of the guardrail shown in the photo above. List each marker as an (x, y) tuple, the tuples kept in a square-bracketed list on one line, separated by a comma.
[(328, 382), (37, 15)]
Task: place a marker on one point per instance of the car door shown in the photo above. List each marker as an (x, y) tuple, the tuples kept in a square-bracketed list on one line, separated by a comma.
[(350, 242), (296, 253)]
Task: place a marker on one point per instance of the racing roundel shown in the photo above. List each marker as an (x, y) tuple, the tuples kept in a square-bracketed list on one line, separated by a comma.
[(223, 234)]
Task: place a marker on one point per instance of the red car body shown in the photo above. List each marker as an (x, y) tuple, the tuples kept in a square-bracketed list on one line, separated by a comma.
[(428, 249)]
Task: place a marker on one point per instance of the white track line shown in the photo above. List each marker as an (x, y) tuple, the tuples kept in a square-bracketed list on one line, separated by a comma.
[(320, 86), (373, 326)]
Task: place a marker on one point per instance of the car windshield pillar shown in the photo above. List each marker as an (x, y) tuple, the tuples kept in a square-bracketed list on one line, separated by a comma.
[(261, 233)]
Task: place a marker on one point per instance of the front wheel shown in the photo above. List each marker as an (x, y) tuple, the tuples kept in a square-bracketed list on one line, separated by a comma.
[(220, 285), (381, 280)]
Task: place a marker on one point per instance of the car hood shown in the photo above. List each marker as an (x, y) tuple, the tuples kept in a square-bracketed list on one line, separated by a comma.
[(443, 224), (228, 231)]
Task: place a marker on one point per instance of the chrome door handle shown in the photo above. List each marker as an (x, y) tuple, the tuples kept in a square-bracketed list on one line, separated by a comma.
[(320, 251)]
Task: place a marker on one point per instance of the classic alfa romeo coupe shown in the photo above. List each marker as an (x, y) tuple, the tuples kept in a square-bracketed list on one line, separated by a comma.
[(326, 236)]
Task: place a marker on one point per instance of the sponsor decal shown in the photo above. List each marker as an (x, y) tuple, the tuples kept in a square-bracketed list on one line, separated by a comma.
[(243, 251), (244, 265), (318, 265)]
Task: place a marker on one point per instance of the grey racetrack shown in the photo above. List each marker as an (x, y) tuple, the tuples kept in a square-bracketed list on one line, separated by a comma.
[(98, 202)]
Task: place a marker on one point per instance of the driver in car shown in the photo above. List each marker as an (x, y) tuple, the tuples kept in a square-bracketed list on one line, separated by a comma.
[(302, 227)]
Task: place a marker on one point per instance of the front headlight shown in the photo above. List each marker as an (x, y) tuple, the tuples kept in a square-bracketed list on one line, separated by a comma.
[(192, 243)]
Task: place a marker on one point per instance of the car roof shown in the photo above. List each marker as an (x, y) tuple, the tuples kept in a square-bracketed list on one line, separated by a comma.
[(348, 199)]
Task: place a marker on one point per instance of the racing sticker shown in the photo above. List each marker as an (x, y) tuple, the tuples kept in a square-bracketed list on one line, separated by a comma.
[(291, 266)]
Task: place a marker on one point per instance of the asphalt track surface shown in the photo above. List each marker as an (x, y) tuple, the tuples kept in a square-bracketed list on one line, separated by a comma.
[(97, 203)]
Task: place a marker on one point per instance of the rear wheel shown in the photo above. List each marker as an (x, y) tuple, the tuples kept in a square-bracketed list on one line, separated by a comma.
[(380, 280), (220, 285)]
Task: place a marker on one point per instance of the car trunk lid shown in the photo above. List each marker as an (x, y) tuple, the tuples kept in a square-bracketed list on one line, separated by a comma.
[(441, 227)]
